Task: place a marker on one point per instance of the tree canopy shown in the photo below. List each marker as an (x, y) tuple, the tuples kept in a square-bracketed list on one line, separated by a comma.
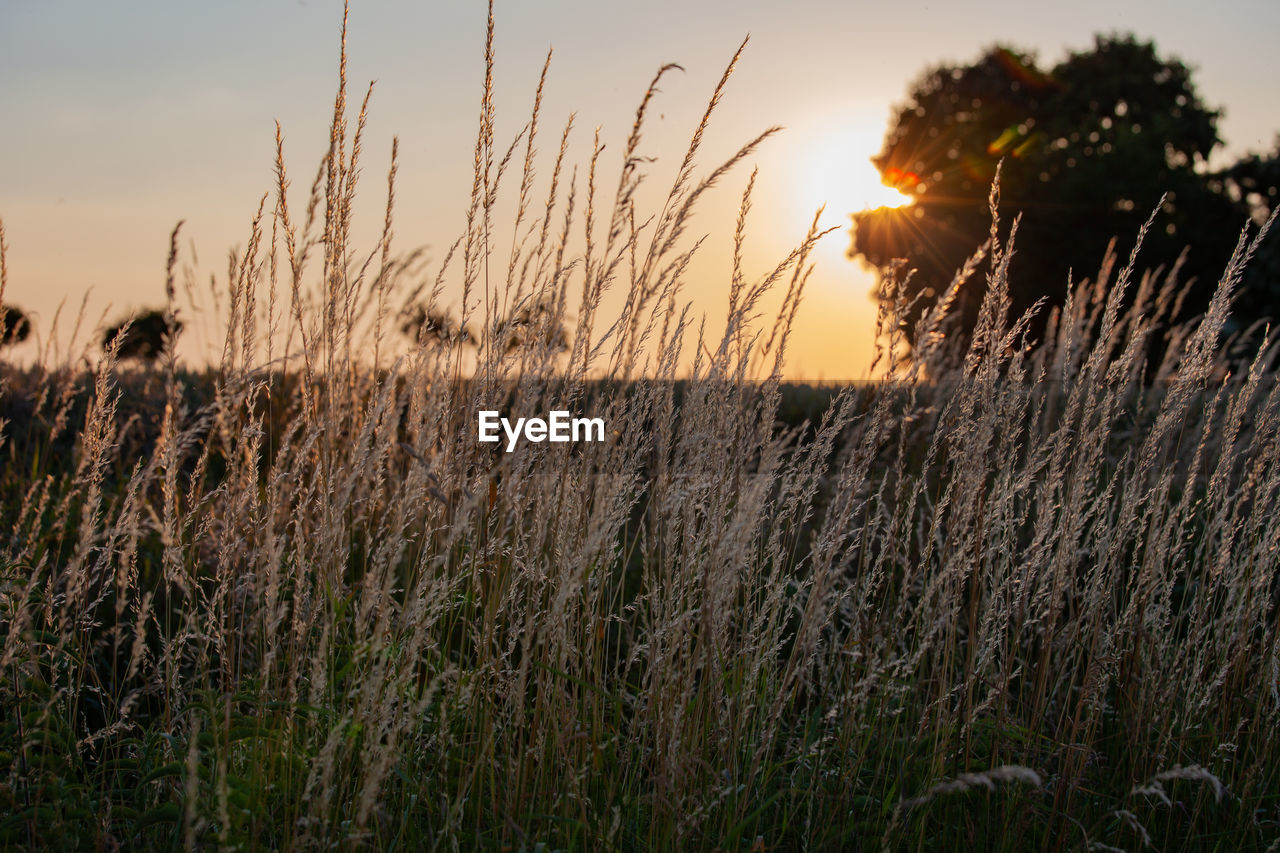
[(1086, 150), (1255, 181), (15, 327), (144, 336)]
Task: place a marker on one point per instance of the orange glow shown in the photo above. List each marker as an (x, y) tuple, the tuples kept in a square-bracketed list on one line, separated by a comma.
[(900, 180), (1002, 143), (836, 171), (1025, 74), (1008, 139), (1027, 145)]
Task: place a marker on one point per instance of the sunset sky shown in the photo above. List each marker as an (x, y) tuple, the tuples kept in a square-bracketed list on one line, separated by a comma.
[(121, 118)]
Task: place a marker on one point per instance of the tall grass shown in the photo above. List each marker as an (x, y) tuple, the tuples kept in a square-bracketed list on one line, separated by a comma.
[(1010, 597)]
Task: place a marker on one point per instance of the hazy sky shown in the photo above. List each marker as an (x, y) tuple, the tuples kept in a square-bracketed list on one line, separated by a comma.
[(120, 118)]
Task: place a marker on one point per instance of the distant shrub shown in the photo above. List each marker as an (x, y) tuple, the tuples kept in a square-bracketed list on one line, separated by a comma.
[(427, 326), (145, 335), (14, 326), (533, 326)]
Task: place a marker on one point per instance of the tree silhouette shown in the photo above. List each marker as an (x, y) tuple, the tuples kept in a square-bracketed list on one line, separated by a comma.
[(14, 326), (537, 324), (430, 326), (1087, 151), (1255, 181), (530, 324), (145, 335)]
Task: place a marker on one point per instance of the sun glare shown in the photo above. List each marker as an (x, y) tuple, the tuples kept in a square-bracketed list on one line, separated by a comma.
[(836, 171)]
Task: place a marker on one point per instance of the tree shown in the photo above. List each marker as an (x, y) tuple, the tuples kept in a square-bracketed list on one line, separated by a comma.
[(536, 324), (1087, 151), (530, 324), (14, 326), (1255, 180), (432, 327), (145, 335)]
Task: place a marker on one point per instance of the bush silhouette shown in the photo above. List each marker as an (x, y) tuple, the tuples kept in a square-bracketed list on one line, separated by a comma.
[(145, 335), (14, 326), (426, 326), (537, 324)]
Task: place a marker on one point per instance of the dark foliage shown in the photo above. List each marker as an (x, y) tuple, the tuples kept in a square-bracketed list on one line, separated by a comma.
[(537, 324), (145, 335), (1255, 181), (14, 326), (427, 326)]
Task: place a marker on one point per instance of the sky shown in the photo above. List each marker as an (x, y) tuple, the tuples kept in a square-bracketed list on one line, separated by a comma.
[(119, 119)]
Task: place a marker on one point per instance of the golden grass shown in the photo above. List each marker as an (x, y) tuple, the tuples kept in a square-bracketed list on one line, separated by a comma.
[(1011, 597)]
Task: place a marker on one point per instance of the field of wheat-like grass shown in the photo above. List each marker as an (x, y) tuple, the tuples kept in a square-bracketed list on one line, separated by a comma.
[(1009, 597)]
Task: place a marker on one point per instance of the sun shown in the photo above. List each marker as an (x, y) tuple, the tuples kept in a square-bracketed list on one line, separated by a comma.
[(835, 170)]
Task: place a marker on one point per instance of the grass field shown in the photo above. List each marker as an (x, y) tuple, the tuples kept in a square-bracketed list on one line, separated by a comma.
[(1008, 598)]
